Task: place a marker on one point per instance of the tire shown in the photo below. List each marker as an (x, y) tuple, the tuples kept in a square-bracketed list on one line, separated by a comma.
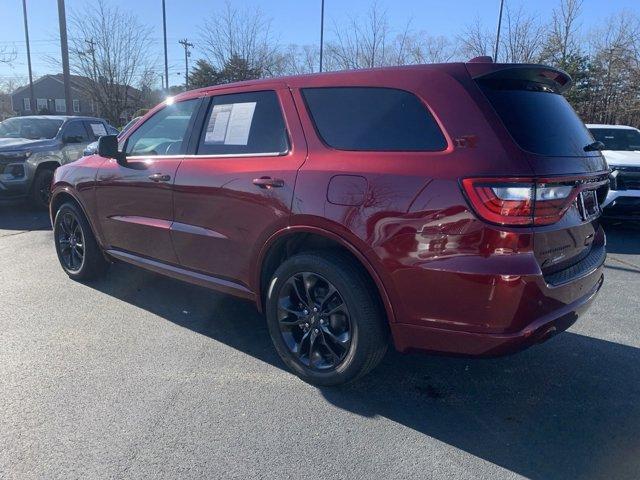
[(41, 189), (350, 329), (78, 251)]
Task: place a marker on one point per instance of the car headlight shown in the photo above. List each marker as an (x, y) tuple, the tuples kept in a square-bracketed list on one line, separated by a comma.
[(16, 155)]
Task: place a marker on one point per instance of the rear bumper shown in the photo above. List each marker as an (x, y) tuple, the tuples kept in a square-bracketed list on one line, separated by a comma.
[(412, 338)]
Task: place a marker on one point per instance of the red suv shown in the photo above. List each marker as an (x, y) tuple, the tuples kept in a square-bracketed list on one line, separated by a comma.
[(446, 208)]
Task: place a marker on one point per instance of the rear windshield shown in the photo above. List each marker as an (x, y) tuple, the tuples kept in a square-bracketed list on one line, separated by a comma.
[(373, 119), (617, 138), (540, 120)]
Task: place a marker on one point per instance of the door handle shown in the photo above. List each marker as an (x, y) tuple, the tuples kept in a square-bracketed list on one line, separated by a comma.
[(268, 182), (159, 177)]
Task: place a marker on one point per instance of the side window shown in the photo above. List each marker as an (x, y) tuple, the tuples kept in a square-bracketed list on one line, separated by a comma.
[(244, 123), (372, 118), (163, 133), (74, 132), (96, 129)]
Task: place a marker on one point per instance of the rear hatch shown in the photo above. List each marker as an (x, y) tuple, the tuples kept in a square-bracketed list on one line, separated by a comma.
[(570, 174)]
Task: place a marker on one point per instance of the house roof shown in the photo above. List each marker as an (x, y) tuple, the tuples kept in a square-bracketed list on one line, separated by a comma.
[(78, 82)]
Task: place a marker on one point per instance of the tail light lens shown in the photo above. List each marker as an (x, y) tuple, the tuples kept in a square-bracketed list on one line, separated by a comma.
[(519, 201)]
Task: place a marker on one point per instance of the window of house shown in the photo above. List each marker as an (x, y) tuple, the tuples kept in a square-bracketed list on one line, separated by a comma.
[(164, 133), (27, 103), (372, 118), (42, 104), (76, 106), (61, 105), (244, 123)]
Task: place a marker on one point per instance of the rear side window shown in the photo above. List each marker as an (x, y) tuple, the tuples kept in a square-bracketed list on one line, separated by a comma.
[(371, 118), (244, 124), (96, 128), (540, 120)]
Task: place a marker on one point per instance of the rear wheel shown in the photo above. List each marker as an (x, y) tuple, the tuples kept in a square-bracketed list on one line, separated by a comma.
[(76, 246), (324, 318), (41, 188)]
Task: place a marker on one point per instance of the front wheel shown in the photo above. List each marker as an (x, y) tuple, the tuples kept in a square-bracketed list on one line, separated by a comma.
[(41, 188), (324, 318), (76, 246)]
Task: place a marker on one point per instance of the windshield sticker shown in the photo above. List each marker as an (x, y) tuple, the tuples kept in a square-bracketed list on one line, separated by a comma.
[(98, 129), (230, 124)]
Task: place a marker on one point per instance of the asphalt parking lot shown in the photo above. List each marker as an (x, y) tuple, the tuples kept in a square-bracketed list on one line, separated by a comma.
[(139, 376)]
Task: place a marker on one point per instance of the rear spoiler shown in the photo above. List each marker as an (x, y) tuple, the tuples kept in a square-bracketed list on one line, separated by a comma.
[(555, 78)]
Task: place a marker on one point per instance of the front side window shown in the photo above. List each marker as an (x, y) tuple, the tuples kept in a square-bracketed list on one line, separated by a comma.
[(61, 105), (42, 104), (27, 104), (74, 132), (617, 138), (372, 118), (244, 124), (164, 133), (76, 106)]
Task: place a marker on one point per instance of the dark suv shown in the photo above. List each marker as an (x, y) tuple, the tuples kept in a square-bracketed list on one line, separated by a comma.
[(444, 208), (32, 147)]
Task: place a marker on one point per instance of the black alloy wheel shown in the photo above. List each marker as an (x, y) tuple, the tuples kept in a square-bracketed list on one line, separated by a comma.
[(71, 242), (78, 251), (314, 321)]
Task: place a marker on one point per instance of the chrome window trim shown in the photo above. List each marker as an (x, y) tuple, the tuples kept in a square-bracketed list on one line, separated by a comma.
[(225, 155)]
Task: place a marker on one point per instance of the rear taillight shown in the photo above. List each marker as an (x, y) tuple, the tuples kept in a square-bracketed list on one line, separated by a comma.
[(519, 201)]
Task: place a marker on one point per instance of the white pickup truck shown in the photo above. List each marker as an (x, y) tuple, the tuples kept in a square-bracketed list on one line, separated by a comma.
[(622, 153)]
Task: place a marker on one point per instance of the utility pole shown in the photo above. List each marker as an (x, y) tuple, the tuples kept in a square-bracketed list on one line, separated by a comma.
[(321, 31), (64, 47), (495, 50), (32, 97), (185, 43), (164, 31)]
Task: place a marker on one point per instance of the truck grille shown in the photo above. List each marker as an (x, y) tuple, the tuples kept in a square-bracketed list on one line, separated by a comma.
[(625, 178)]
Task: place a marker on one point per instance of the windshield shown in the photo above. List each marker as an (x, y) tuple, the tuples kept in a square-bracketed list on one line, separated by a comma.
[(31, 128), (540, 120), (617, 138)]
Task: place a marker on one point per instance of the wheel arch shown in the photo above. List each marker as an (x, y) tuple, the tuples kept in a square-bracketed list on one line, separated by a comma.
[(66, 194), (296, 239)]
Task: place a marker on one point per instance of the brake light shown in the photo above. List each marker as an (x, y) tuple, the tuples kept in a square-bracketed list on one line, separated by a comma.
[(519, 201)]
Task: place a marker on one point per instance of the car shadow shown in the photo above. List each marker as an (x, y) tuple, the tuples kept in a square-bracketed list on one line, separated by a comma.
[(569, 408), (23, 218)]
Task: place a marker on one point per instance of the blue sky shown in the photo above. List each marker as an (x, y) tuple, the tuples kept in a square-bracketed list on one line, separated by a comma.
[(293, 21)]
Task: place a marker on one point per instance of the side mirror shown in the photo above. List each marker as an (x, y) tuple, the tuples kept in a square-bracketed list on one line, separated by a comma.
[(108, 148)]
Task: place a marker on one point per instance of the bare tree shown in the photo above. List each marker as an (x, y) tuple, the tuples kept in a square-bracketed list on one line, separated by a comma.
[(111, 48), (363, 43), (424, 48), (240, 34), (475, 40), (563, 39), (297, 59), (7, 55), (614, 94), (524, 37)]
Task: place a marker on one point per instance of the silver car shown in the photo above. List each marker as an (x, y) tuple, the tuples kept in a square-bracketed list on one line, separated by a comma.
[(32, 147)]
